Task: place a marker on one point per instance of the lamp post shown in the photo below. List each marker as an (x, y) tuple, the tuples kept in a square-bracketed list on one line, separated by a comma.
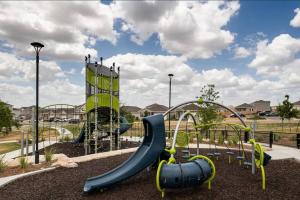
[(37, 47), (170, 78)]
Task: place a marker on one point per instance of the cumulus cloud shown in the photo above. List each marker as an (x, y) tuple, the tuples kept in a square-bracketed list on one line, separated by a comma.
[(193, 29), (144, 80), (241, 52), (278, 58), (17, 68), (295, 22), (68, 29)]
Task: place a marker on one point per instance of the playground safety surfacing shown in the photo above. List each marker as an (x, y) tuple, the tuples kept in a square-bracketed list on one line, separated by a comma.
[(232, 182)]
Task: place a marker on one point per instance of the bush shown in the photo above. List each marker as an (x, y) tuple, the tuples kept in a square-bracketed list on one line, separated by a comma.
[(220, 139), (49, 154), (3, 164), (229, 142), (23, 162), (67, 138), (235, 140)]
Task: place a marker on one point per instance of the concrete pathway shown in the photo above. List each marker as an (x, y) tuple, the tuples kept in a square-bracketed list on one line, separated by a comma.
[(17, 153), (279, 152), (62, 131), (8, 141)]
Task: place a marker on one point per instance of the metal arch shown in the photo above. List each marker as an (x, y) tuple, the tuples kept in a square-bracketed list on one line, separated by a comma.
[(48, 106), (210, 102), (187, 113)]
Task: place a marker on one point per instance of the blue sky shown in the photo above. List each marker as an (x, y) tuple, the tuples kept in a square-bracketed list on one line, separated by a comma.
[(248, 49)]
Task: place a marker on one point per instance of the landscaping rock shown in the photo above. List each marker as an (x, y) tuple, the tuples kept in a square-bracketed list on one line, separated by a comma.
[(63, 161)]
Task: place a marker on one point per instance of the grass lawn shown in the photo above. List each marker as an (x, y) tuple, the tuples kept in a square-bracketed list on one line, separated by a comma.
[(7, 147)]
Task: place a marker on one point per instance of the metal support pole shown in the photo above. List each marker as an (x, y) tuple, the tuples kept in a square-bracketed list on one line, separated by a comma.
[(298, 140), (86, 113), (246, 136), (37, 112), (27, 135), (271, 137), (253, 165), (32, 132), (118, 133), (110, 109), (22, 144), (96, 107)]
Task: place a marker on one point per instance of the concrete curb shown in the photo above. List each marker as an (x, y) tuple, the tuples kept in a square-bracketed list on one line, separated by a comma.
[(6, 180), (102, 155)]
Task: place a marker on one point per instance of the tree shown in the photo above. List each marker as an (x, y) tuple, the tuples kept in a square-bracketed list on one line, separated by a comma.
[(208, 113), (6, 118), (286, 110), (124, 113)]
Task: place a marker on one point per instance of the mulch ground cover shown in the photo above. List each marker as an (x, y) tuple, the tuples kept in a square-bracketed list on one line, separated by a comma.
[(9, 171), (75, 150), (232, 182)]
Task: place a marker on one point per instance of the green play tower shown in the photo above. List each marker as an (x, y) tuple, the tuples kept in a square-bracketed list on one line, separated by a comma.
[(102, 105)]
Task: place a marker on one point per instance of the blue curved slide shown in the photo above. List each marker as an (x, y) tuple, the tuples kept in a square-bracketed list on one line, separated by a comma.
[(124, 126), (149, 151)]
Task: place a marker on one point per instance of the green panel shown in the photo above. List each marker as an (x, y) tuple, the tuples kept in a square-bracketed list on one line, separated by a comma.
[(103, 101), (103, 81)]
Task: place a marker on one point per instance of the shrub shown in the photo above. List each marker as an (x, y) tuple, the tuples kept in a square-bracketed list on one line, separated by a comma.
[(23, 162), (235, 140), (67, 138), (3, 164), (229, 142), (49, 154), (220, 139)]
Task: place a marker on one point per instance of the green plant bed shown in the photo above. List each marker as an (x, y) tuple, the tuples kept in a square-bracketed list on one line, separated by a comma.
[(8, 147)]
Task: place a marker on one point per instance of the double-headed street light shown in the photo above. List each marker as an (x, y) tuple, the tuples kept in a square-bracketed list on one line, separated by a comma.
[(37, 47), (170, 77)]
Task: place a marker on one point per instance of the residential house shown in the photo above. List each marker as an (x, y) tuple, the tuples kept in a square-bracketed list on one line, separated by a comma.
[(297, 105), (134, 110), (261, 106), (193, 108), (245, 109), (16, 113), (153, 109)]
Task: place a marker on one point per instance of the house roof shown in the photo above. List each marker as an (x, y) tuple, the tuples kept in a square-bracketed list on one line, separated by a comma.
[(244, 105), (190, 107), (260, 101), (157, 108), (131, 108), (297, 103)]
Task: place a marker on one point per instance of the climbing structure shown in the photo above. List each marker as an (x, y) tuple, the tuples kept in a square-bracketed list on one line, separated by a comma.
[(102, 105)]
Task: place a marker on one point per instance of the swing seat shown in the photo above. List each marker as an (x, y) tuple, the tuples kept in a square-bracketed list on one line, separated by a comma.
[(230, 153), (210, 154), (185, 151), (187, 156), (192, 154), (240, 157), (217, 154), (247, 164)]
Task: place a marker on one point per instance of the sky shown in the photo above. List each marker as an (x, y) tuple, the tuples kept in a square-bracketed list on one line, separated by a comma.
[(250, 50)]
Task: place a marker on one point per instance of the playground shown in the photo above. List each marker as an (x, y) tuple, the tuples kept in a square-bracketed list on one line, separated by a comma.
[(92, 152)]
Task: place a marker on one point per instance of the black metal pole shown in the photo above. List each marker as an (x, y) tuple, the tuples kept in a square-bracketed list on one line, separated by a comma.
[(246, 136), (298, 140), (37, 111), (271, 139), (37, 47), (169, 134)]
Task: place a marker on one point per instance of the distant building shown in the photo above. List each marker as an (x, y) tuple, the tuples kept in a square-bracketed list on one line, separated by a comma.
[(261, 106), (245, 109), (193, 108), (153, 109), (134, 110), (26, 112), (297, 105), (16, 113)]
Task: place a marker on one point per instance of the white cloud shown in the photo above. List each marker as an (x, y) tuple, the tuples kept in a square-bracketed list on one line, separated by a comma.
[(68, 29), (277, 58), (295, 22), (193, 29), (241, 52), (17, 68), (144, 80)]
